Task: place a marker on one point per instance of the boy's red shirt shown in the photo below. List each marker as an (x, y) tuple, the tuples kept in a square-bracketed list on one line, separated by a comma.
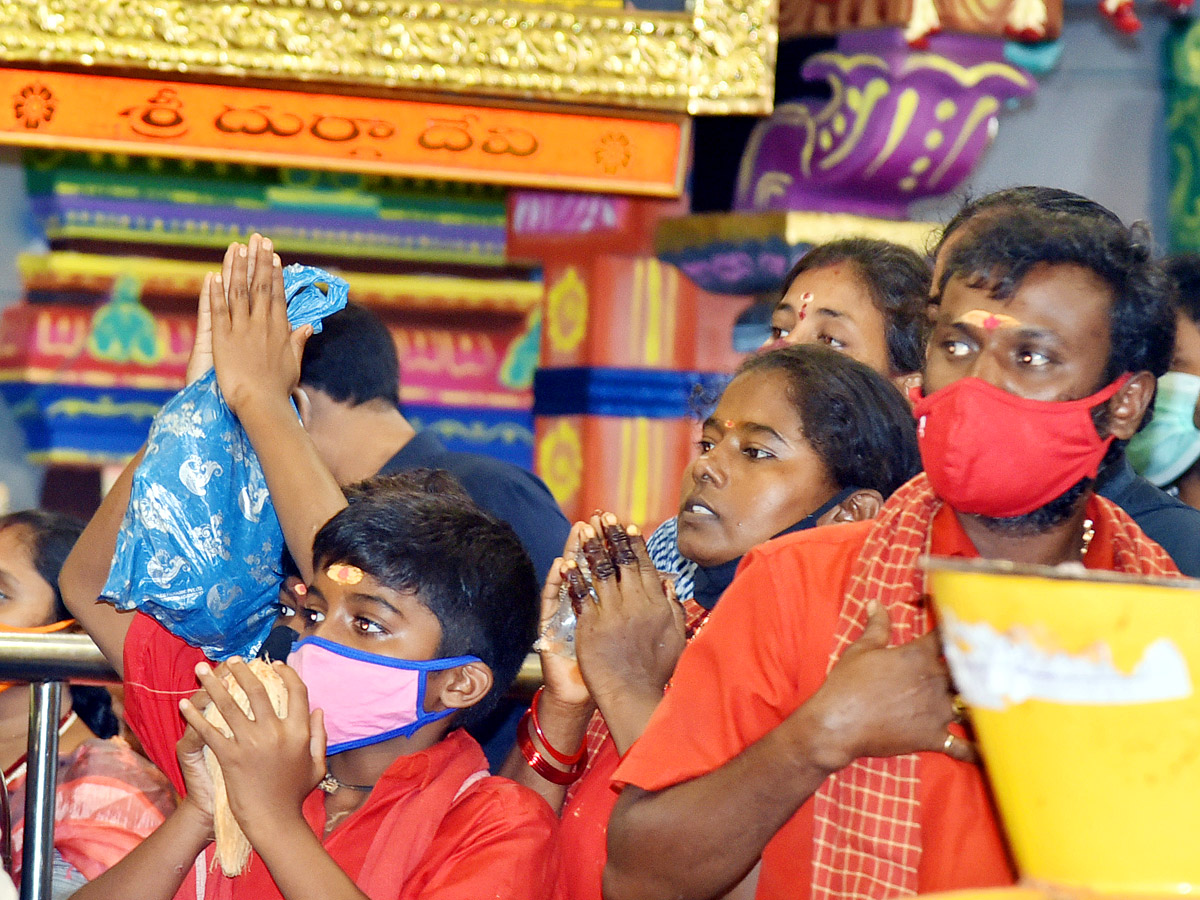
[(482, 836)]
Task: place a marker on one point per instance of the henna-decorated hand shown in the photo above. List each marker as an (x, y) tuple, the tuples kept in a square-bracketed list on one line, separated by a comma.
[(630, 640), (560, 674)]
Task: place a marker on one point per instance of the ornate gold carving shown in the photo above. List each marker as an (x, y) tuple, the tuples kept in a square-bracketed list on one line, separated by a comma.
[(718, 58), (998, 18), (676, 235)]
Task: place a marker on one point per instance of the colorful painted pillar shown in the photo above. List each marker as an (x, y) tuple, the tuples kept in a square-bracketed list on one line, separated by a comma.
[(1182, 86), (102, 341), (614, 395)]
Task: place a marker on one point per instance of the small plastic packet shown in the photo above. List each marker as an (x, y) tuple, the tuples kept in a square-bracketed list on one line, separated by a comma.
[(200, 543), (558, 636)]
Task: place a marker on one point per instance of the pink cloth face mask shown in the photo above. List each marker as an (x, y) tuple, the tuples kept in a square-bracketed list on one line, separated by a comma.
[(367, 697)]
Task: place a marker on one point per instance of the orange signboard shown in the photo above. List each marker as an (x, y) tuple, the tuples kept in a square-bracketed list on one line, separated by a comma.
[(614, 154)]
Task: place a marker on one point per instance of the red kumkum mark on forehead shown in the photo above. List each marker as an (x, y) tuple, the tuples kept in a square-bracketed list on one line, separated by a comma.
[(805, 299), (988, 321)]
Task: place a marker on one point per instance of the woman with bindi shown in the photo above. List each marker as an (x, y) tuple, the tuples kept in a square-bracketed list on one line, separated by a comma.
[(862, 297), (802, 436)]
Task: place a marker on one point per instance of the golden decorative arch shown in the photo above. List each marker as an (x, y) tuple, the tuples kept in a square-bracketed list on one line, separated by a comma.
[(717, 57)]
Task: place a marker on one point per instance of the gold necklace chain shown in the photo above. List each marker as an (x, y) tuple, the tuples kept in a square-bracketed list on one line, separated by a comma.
[(1089, 532), (330, 784)]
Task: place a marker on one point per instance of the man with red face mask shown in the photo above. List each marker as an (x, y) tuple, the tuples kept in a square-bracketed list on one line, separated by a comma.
[(811, 726)]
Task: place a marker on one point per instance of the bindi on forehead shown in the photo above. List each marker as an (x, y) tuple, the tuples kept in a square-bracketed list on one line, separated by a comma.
[(802, 307), (988, 321)]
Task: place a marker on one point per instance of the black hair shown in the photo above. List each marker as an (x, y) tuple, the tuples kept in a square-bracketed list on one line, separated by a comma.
[(94, 705), (468, 568), (1027, 196), (897, 279), (1184, 271), (287, 566), (422, 480), (353, 359), (854, 418), (1002, 250), (50, 537)]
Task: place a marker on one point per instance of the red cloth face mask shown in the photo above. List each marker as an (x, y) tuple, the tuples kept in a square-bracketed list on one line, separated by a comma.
[(992, 453)]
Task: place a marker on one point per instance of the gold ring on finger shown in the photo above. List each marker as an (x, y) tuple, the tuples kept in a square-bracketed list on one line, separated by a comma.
[(959, 706), (949, 742)]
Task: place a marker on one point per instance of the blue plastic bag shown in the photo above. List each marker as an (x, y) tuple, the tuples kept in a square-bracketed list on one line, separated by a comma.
[(200, 544)]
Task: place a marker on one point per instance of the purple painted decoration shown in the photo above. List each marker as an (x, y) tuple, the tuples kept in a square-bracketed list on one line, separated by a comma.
[(547, 213), (902, 124), (71, 217), (748, 267)]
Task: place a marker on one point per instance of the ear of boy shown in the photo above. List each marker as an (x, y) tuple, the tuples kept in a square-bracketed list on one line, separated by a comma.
[(461, 687), (861, 505)]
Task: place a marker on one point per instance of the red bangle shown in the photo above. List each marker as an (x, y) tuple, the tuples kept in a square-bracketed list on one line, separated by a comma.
[(554, 754), (542, 766)]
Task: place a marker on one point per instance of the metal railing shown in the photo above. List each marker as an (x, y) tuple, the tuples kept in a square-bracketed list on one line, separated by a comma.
[(53, 657), (47, 661)]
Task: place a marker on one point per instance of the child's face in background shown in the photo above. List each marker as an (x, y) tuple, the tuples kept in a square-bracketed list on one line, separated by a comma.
[(347, 606), (292, 594), (26, 598)]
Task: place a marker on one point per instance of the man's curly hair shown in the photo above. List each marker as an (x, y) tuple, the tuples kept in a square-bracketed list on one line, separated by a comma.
[(1001, 250)]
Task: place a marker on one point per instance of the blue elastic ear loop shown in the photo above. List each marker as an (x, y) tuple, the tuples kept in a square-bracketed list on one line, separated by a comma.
[(379, 659)]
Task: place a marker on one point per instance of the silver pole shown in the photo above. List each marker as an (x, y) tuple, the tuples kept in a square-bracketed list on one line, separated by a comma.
[(37, 853), (52, 657), (74, 658)]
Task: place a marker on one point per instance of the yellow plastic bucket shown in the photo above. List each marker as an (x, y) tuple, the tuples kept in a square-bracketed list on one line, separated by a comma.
[(1083, 693)]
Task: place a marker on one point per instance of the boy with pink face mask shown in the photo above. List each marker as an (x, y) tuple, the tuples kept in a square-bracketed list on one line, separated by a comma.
[(418, 610), (414, 624)]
